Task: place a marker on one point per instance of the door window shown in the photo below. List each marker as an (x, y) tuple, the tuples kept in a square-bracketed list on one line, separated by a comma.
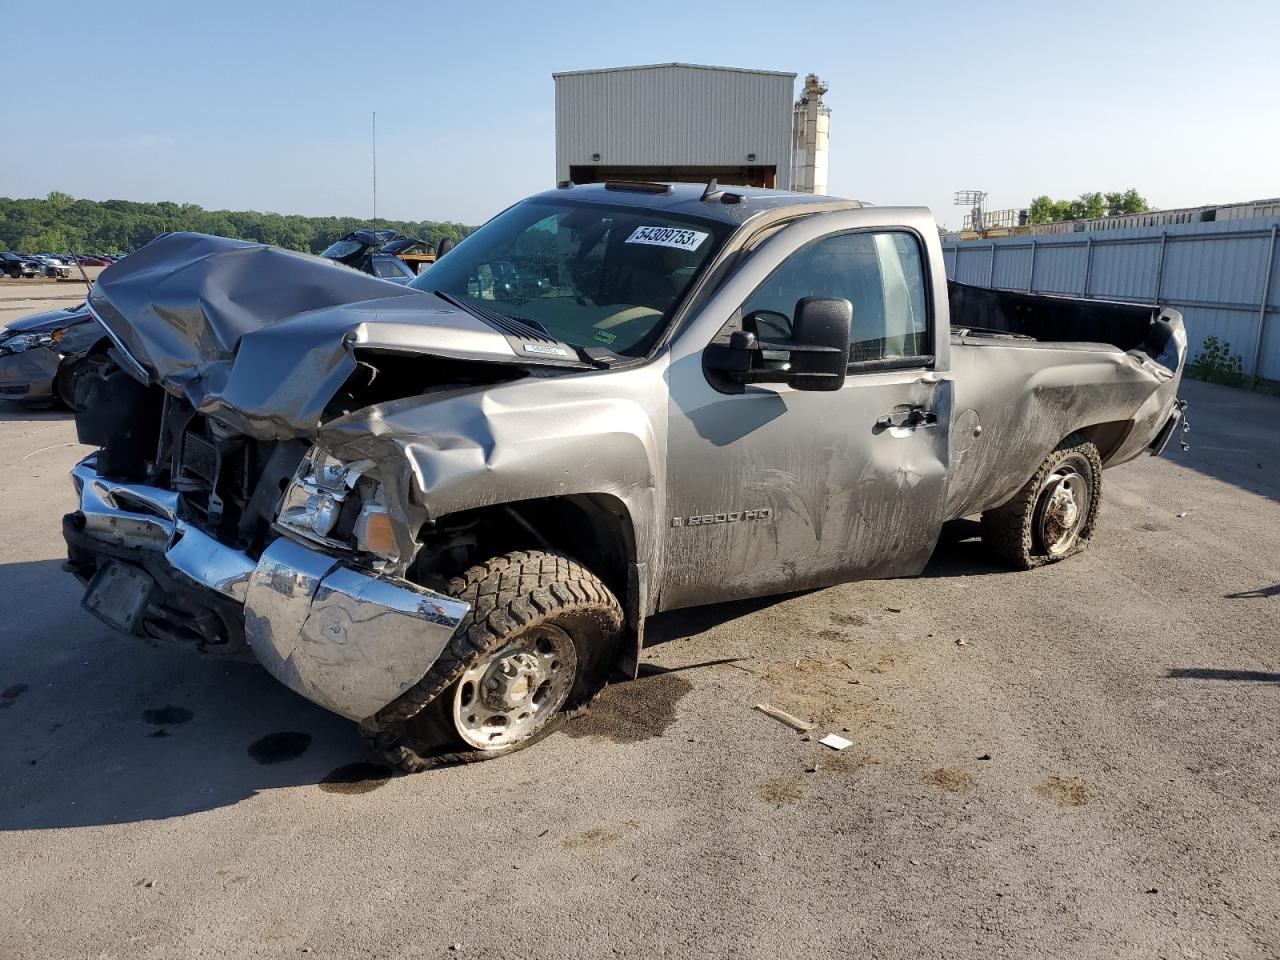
[(389, 268), (881, 274)]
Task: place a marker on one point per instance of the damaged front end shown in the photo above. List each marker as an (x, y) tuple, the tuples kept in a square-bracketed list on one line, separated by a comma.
[(209, 515), (159, 559)]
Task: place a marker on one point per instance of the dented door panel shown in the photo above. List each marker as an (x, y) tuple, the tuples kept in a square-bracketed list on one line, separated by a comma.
[(835, 495)]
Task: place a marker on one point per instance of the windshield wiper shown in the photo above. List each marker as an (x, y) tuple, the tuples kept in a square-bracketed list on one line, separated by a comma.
[(506, 322)]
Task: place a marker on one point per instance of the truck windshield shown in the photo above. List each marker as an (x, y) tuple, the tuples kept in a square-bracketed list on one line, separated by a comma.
[(588, 273)]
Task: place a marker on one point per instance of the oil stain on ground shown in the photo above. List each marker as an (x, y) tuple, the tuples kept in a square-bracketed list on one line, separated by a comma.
[(631, 712), (844, 763), (356, 778), (11, 694), (849, 619), (780, 792), (166, 716), (600, 836), (279, 747), (950, 780), (1064, 791)]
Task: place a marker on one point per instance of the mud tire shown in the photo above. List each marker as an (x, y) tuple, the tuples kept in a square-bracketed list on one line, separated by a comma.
[(1008, 531), (508, 594)]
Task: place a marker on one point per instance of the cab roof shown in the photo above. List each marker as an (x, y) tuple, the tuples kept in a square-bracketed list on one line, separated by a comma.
[(686, 198)]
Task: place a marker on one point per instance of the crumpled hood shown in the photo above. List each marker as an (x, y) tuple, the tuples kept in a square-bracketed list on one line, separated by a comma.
[(48, 320), (263, 337)]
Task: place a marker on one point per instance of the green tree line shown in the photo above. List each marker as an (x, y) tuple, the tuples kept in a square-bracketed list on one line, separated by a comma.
[(1088, 206), (62, 224)]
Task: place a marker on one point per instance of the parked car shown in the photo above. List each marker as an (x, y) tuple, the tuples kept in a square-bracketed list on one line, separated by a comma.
[(17, 265), (445, 510), (44, 356), (51, 267), (378, 252)]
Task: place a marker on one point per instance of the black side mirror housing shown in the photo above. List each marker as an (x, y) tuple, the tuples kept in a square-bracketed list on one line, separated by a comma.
[(820, 336), (818, 349)]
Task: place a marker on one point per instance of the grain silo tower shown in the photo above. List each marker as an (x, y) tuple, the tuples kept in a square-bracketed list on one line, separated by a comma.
[(811, 129)]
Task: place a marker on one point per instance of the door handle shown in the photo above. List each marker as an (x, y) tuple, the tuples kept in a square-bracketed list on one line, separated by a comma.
[(915, 417)]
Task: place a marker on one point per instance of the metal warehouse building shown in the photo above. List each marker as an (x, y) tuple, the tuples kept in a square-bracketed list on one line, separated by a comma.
[(675, 121)]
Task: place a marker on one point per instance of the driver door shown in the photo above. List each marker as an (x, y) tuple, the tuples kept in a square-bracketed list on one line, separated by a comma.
[(773, 489)]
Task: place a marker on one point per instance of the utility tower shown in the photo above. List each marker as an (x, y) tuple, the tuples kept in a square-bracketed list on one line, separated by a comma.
[(975, 200)]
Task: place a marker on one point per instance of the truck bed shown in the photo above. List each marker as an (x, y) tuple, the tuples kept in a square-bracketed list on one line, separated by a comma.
[(1031, 369), (1047, 318)]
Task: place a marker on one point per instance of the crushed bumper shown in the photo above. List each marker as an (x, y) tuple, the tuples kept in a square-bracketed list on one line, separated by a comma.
[(344, 637)]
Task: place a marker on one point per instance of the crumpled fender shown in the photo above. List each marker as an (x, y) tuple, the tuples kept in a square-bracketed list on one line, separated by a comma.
[(596, 433)]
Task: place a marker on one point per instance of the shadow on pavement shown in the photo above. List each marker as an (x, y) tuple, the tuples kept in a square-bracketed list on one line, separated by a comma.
[(1256, 594), (97, 727), (15, 411), (1207, 673), (1233, 437), (960, 553)]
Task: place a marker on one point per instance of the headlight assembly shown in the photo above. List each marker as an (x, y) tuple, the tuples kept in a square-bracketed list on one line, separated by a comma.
[(20, 342), (336, 504)]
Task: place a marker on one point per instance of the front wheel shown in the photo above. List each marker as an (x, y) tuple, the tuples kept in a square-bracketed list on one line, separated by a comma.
[(1053, 515), (540, 638)]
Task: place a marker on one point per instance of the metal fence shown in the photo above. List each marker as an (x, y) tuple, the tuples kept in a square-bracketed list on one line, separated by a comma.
[(1221, 276)]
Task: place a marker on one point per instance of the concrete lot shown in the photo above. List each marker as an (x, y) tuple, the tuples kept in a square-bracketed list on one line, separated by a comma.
[(21, 298), (1092, 773)]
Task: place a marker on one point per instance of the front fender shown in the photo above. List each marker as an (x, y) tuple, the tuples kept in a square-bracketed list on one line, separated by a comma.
[(596, 433)]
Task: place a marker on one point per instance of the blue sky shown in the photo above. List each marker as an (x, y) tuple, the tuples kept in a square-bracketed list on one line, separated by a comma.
[(266, 105)]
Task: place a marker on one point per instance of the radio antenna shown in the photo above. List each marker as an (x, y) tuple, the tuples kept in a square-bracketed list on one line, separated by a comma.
[(375, 169), (83, 276)]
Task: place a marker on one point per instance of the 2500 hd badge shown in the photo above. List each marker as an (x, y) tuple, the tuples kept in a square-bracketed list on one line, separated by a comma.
[(764, 513)]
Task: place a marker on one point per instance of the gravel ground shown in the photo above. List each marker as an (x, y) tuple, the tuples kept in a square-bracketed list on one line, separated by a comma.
[(1079, 761)]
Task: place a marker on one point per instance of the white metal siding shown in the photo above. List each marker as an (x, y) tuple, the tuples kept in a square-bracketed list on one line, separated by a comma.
[(1215, 273), (674, 115)]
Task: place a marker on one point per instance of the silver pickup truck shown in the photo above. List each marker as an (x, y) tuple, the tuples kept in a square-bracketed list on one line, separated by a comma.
[(445, 510)]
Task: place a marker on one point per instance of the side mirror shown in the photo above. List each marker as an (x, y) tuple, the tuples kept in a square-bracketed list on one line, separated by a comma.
[(820, 335), (818, 349)]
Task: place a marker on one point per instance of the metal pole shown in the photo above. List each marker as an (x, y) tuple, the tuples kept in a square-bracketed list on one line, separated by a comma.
[(1088, 265), (1031, 274), (1164, 238), (1262, 305), (375, 169), (991, 266)]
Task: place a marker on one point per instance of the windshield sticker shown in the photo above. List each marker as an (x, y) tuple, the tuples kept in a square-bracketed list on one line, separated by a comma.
[(547, 349), (604, 336), (675, 237)]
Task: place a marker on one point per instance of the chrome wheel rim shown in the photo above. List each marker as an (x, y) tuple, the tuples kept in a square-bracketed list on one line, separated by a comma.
[(510, 695), (1061, 510)]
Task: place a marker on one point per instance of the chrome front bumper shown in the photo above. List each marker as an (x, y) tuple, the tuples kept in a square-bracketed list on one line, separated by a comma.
[(343, 637)]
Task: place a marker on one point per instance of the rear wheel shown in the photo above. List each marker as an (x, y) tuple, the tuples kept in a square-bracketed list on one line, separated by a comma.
[(1053, 516), (540, 639)]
